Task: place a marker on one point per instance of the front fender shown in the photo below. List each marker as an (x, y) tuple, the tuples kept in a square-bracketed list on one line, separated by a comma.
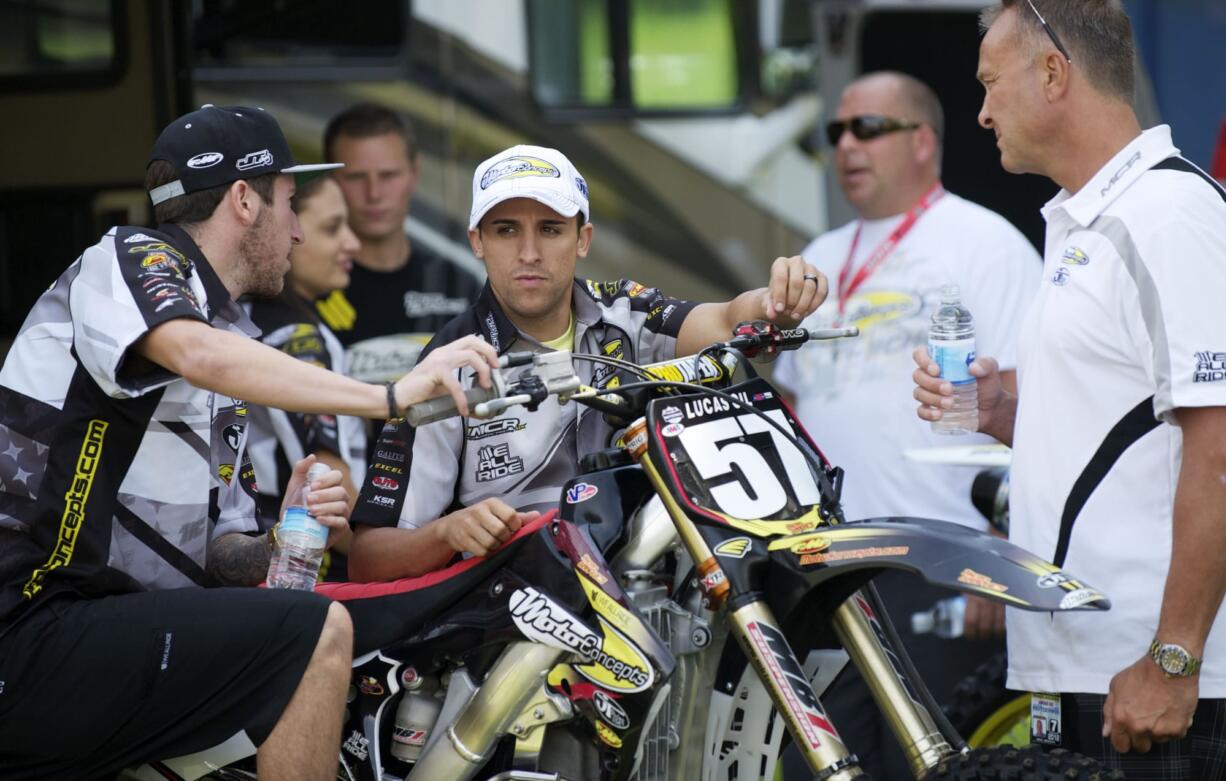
[(944, 554)]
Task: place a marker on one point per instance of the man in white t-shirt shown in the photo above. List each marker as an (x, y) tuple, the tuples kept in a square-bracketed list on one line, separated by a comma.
[(889, 265), (1118, 427)]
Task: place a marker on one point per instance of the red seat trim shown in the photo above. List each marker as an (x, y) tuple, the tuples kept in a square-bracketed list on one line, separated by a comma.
[(343, 592)]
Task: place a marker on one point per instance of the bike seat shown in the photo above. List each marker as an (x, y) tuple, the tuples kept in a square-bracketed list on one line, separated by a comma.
[(385, 612)]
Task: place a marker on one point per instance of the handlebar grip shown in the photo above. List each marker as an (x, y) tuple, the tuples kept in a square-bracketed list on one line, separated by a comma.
[(443, 407)]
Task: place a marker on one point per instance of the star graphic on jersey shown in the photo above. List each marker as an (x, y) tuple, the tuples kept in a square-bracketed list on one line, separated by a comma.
[(13, 451), (23, 475)]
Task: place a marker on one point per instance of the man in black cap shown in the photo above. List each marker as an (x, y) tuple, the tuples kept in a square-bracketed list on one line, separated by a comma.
[(124, 483)]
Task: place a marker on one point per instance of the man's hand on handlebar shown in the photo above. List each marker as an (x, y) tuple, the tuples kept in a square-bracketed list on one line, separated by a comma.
[(435, 375), (484, 526), (796, 290)]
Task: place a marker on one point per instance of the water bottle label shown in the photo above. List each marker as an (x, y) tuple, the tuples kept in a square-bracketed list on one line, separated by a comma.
[(954, 357), (297, 520)]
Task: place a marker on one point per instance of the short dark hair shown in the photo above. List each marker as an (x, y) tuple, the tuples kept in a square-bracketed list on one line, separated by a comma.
[(197, 207), (305, 192), (364, 120), (1097, 33)]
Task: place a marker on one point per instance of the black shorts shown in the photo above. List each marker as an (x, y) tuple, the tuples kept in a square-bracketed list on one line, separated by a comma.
[(88, 687)]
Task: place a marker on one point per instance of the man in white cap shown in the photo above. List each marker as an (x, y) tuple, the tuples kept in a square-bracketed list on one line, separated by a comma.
[(465, 486)]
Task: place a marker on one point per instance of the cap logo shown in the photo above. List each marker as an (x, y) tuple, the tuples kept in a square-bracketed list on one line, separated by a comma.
[(205, 160), (517, 168), (254, 160)]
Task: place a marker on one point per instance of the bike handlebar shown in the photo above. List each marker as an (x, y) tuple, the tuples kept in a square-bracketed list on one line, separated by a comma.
[(790, 339), (553, 374)]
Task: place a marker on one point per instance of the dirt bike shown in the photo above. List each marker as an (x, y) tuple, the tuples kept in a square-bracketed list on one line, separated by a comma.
[(732, 528), (718, 517)]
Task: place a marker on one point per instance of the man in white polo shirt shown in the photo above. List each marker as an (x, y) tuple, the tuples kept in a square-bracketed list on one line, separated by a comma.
[(1118, 426)]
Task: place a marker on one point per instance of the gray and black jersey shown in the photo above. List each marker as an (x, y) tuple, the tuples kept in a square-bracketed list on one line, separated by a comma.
[(114, 473), (521, 457)]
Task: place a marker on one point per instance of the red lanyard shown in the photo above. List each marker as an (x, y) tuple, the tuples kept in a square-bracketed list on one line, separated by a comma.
[(883, 249)]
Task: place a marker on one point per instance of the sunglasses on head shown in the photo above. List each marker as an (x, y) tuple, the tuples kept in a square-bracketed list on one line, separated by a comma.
[(866, 127), (1055, 39)]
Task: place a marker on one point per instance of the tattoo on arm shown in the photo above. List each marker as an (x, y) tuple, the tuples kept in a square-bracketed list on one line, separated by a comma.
[(237, 560)]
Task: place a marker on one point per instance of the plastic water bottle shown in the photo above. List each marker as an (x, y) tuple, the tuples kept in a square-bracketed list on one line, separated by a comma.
[(300, 542), (951, 344), (945, 619)]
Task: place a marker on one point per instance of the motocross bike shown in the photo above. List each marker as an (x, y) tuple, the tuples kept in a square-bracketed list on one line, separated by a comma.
[(720, 517)]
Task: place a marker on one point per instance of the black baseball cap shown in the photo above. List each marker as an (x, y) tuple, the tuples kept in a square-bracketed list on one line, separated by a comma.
[(218, 145)]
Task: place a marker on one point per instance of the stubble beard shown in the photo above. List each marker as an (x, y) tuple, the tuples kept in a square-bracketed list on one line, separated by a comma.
[(262, 269)]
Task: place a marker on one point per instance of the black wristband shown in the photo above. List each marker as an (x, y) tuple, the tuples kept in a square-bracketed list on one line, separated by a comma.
[(392, 411)]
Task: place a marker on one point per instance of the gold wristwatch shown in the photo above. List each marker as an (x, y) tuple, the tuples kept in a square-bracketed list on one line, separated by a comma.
[(1174, 660)]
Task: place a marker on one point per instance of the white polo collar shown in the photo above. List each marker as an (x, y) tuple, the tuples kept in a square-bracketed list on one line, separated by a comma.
[(1144, 152)]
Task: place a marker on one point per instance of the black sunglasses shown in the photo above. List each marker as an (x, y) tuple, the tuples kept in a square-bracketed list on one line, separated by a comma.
[(866, 127), (1050, 32)]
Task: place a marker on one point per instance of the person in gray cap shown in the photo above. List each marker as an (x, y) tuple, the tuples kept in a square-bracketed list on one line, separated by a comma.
[(125, 485), (530, 224)]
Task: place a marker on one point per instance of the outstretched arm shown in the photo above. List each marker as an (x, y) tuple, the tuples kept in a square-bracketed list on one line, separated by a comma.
[(244, 368), (795, 290)]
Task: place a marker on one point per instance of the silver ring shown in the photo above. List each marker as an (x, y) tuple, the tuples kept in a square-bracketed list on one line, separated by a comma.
[(812, 278)]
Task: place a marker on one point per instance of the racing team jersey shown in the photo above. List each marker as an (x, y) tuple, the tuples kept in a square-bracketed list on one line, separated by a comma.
[(278, 438), (114, 473), (1128, 326), (385, 318), (520, 457)]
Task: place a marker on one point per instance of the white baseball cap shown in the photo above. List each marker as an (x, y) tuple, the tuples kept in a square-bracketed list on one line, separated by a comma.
[(524, 171)]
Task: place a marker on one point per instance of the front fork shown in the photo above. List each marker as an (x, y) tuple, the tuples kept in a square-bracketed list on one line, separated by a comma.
[(766, 648), (913, 726)]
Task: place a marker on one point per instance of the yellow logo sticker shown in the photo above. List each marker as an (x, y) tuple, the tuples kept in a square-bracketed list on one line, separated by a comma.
[(807, 543), (972, 578), (74, 506), (589, 567), (871, 552), (619, 665), (613, 349), (735, 548), (607, 735)]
